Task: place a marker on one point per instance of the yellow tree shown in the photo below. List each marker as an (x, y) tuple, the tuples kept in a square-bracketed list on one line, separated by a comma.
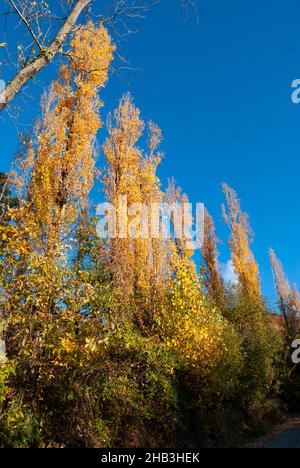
[(248, 310), (182, 221), (150, 252), (240, 240), (122, 187), (54, 177), (60, 161), (131, 186), (192, 326)]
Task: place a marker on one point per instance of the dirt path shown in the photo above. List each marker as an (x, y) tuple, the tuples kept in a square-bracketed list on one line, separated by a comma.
[(285, 436)]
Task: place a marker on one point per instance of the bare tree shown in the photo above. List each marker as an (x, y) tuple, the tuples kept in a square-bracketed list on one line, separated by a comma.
[(289, 303)]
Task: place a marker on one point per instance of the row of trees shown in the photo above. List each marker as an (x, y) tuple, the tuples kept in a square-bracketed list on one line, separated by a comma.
[(121, 342)]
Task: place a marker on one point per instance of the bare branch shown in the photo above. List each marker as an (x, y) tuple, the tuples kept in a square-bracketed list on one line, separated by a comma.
[(25, 21), (50, 29), (45, 56)]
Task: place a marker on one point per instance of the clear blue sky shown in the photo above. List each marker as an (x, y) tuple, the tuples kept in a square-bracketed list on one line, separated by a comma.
[(221, 92)]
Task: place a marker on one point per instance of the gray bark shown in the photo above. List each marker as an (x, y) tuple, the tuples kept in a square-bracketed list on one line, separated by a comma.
[(31, 69)]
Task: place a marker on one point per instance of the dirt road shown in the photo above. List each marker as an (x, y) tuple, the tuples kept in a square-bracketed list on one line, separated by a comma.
[(285, 436)]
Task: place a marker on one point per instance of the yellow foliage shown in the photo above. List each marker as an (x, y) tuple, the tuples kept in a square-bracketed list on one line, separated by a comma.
[(242, 255), (194, 329), (60, 164)]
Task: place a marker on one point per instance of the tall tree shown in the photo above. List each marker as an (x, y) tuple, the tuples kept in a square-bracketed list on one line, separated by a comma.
[(122, 179), (53, 178), (247, 309), (59, 160), (210, 266), (288, 297), (240, 240), (131, 186)]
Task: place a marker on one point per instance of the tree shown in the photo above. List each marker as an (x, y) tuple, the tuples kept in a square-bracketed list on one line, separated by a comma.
[(288, 298), (53, 180), (192, 327), (175, 198), (240, 240), (131, 185), (59, 159), (247, 309), (210, 268), (122, 179)]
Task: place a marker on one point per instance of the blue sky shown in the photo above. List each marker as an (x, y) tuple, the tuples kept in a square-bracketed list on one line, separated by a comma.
[(221, 92)]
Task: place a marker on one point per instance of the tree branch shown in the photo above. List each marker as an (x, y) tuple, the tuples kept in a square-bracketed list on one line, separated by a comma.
[(46, 55), (23, 18)]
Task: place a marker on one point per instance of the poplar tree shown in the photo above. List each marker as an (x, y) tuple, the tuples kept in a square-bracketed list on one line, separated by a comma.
[(210, 266)]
